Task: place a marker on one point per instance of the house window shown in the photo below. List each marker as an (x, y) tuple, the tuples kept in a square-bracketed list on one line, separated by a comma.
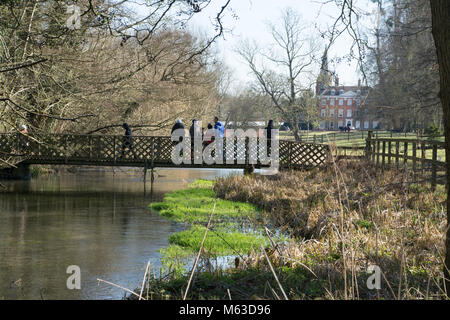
[(357, 124), (357, 113), (322, 124), (341, 102), (358, 102), (323, 112), (366, 124), (324, 102), (331, 112), (349, 113), (331, 102), (349, 102), (375, 124), (331, 124), (340, 123), (341, 113)]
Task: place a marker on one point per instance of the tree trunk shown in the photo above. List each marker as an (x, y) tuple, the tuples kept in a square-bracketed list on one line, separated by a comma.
[(440, 16)]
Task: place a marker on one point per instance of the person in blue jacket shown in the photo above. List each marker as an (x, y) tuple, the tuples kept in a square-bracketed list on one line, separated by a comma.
[(218, 126)]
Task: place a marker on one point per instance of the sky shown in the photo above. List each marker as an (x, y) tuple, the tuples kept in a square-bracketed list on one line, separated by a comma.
[(251, 23)]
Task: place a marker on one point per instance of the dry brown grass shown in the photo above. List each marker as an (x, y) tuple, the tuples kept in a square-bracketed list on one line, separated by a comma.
[(350, 216)]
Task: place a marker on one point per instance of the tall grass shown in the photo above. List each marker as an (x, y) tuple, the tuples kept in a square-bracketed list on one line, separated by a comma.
[(347, 217)]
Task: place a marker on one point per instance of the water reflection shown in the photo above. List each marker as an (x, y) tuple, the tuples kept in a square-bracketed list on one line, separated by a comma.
[(95, 219)]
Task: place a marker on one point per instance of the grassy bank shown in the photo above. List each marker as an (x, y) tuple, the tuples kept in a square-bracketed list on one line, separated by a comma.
[(340, 221), (231, 233)]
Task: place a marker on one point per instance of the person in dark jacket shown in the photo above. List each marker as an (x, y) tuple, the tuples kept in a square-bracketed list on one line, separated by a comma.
[(127, 141), (192, 135), (208, 135), (269, 135), (177, 125)]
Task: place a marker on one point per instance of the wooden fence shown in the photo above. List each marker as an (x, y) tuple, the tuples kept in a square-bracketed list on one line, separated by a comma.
[(418, 155), (359, 136)]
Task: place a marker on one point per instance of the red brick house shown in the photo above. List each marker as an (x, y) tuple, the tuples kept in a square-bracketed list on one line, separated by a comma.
[(341, 106)]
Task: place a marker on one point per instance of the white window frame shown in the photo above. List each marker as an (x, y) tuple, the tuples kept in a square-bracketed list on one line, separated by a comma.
[(341, 102), (323, 112), (331, 102), (366, 124), (331, 112), (340, 113), (349, 113), (324, 102), (349, 102)]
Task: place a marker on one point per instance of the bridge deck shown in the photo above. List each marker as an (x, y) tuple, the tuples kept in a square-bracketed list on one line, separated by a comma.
[(156, 151)]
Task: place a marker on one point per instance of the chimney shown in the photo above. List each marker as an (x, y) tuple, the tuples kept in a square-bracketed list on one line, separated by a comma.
[(359, 83), (336, 81)]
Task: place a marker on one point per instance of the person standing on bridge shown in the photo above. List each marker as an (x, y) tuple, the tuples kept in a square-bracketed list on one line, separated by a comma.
[(218, 126), (208, 135), (23, 137), (178, 125), (128, 141), (269, 135)]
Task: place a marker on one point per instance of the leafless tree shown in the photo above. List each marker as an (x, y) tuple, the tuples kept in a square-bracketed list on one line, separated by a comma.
[(285, 70)]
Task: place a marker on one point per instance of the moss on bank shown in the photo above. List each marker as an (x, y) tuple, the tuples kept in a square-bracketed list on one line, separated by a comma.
[(194, 205), (219, 242), (226, 235)]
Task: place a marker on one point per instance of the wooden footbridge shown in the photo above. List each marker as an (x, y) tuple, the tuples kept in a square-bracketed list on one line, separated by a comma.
[(149, 152)]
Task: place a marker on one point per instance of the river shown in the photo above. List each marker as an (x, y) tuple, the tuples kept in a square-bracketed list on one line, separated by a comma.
[(95, 219)]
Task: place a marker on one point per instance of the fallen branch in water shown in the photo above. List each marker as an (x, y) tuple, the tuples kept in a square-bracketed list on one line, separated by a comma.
[(116, 285)]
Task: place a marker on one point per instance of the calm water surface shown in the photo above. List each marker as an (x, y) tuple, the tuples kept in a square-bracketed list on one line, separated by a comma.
[(97, 220)]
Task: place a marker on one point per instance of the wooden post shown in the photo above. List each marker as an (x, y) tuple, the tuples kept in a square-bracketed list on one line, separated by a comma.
[(383, 162), (389, 152), (414, 156), (314, 139), (422, 146), (114, 149), (397, 150), (369, 145), (378, 152), (374, 150), (152, 177), (433, 168), (405, 153)]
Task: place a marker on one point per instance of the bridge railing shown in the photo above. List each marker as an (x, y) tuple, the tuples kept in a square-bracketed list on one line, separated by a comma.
[(148, 150)]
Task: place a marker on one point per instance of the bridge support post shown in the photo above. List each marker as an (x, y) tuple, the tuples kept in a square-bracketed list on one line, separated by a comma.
[(22, 172), (249, 170)]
